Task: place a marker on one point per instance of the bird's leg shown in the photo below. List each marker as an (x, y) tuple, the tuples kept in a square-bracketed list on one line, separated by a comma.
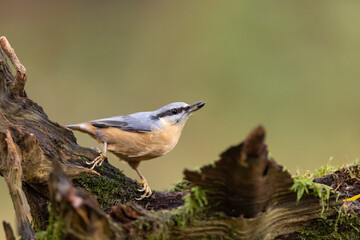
[(104, 153), (146, 188), (99, 159)]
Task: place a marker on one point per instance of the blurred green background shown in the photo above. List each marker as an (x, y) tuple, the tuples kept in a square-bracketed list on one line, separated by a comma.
[(292, 66)]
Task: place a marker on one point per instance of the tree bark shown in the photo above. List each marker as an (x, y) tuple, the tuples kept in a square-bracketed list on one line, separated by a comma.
[(243, 195)]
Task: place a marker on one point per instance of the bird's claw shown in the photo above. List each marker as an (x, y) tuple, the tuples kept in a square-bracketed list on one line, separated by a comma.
[(145, 186), (97, 161), (146, 189)]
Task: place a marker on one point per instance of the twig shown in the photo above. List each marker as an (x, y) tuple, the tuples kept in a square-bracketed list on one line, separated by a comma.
[(338, 187), (17, 86)]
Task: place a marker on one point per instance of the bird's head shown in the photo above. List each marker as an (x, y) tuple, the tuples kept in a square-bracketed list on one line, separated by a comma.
[(177, 113)]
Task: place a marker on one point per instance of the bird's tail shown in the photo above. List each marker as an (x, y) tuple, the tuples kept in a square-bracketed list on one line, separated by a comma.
[(73, 126), (83, 127)]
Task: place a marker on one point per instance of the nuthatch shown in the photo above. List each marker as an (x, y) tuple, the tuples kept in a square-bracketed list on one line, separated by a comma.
[(139, 136)]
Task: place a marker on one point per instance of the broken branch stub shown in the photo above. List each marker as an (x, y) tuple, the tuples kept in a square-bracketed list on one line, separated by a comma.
[(11, 170), (17, 86), (244, 181)]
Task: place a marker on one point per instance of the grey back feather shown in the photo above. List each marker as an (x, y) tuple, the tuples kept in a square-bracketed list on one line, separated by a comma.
[(137, 122)]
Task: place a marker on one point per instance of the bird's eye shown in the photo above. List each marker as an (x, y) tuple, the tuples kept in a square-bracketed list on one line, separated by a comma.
[(174, 111)]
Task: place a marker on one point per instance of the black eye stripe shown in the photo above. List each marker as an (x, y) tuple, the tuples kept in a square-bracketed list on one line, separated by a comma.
[(178, 110), (171, 112)]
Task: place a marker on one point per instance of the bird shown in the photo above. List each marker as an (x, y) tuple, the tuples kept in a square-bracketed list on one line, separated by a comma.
[(139, 136)]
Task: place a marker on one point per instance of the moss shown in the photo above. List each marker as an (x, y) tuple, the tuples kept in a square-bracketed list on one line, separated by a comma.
[(345, 225), (182, 186), (352, 169), (195, 205), (53, 231), (108, 191), (196, 201), (343, 222), (306, 185), (327, 169), (159, 223)]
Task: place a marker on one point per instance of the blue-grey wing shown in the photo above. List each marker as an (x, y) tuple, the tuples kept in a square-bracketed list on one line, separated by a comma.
[(126, 122)]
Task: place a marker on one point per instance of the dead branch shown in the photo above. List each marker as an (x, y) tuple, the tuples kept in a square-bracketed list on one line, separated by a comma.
[(17, 86)]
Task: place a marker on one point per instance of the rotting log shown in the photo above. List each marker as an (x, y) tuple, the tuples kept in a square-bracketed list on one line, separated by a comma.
[(243, 195)]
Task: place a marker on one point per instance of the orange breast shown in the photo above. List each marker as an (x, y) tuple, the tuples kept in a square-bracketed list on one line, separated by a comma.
[(132, 146)]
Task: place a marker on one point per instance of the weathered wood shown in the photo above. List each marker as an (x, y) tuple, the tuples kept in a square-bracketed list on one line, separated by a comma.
[(246, 167)]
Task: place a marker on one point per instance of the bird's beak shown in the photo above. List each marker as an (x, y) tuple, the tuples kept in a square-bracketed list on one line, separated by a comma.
[(196, 106)]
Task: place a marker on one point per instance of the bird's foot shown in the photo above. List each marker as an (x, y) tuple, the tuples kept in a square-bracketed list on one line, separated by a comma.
[(146, 189), (98, 160)]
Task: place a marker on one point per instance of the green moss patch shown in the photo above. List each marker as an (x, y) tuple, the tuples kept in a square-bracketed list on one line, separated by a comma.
[(158, 223), (182, 186), (318, 190), (345, 225), (109, 191)]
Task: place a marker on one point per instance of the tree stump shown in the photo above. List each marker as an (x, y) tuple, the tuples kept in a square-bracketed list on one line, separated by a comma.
[(243, 195)]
